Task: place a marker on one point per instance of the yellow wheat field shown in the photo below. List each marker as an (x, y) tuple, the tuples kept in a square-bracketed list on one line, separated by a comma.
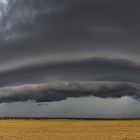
[(69, 130)]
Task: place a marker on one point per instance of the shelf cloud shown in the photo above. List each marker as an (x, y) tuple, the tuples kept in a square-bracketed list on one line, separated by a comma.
[(62, 90)]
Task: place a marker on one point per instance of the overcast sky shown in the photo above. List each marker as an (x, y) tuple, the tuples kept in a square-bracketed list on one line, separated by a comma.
[(76, 55)]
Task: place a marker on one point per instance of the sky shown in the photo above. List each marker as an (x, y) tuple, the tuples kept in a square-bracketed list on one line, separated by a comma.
[(70, 58)]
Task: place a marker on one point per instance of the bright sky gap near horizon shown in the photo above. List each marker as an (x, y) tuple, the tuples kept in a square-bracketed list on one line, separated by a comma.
[(70, 58)]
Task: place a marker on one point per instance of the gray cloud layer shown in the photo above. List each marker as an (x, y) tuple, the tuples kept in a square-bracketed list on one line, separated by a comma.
[(63, 90), (93, 69)]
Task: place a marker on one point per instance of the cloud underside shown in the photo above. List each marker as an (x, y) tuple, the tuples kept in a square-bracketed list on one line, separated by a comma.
[(62, 90)]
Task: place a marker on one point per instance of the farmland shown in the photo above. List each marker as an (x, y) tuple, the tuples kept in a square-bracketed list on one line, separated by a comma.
[(69, 130)]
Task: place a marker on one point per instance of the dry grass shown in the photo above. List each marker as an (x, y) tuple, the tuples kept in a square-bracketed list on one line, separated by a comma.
[(69, 130)]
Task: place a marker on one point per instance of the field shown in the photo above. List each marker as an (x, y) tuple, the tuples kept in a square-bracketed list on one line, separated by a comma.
[(69, 130)]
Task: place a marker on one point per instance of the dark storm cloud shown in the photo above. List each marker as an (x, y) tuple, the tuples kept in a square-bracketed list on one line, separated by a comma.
[(33, 29), (70, 40), (36, 28), (59, 26), (93, 69), (62, 91)]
